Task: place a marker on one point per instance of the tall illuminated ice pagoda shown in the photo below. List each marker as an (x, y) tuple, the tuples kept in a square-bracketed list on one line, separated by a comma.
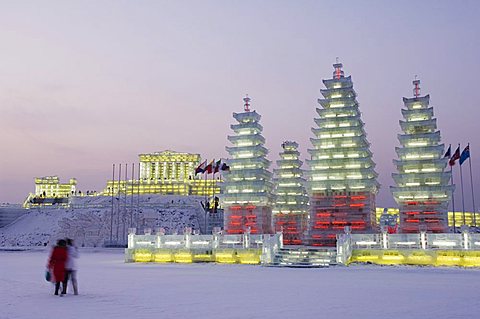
[(290, 209), (247, 189), (342, 180), (422, 190)]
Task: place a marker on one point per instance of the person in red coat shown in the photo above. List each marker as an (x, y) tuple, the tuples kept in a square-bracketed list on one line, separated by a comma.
[(56, 264)]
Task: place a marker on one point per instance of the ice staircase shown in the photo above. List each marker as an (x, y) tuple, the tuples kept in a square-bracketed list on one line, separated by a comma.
[(304, 257)]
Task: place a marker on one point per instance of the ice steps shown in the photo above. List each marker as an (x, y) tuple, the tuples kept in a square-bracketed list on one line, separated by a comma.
[(303, 257)]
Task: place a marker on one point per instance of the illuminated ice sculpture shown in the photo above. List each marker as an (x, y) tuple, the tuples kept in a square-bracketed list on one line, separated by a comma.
[(342, 180), (290, 210), (422, 191), (247, 190)]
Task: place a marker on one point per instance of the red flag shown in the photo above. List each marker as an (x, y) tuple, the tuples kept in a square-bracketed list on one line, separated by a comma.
[(455, 157), (209, 168)]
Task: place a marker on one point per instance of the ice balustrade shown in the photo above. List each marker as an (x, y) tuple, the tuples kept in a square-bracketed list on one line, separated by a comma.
[(146, 246), (465, 241)]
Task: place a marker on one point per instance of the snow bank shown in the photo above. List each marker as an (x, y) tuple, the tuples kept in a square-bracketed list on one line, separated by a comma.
[(88, 220)]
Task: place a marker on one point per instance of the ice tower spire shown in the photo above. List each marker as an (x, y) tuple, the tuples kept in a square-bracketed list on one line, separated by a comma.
[(416, 87), (246, 103)]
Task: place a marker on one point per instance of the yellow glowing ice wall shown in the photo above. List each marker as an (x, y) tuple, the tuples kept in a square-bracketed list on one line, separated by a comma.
[(422, 188), (168, 166)]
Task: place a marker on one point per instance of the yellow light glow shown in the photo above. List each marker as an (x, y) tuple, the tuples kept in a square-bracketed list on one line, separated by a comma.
[(352, 166), (354, 176), (417, 144), (412, 184)]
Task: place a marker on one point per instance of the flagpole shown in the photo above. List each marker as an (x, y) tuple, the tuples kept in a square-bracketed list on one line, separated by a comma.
[(206, 196), (463, 197), (471, 184), (453, 199), (111, 214)]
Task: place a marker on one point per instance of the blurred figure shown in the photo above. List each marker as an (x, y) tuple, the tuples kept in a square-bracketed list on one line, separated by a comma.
[(71, 265), (56, 264)]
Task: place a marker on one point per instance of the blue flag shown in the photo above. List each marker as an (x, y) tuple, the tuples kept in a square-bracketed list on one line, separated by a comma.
[(465, 154)]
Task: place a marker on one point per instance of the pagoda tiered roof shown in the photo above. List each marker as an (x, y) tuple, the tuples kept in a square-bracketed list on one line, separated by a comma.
[(421, 152), (240, 151), (333, 163), (410, 127), (421, 100), (422, 178), (250, 174), (343, 82), (343, 112), (338, 103), (247, 117), (252, 162), (255, 139), (339, 131), (430, 138), (344, 91), (439, 163), (339, 153), (410, 114), (251, 127), (340, 142)]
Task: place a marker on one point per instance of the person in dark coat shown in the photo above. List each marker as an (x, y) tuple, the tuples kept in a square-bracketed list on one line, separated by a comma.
[(56, 264)]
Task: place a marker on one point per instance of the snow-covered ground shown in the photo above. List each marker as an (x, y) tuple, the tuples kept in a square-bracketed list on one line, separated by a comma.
[(110, 288)]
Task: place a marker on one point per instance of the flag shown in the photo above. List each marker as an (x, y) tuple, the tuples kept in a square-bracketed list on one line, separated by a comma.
[(218, 165), (201, 167), (225, 167), (455, 157), (209, 168), (465, 154), (448, 154)]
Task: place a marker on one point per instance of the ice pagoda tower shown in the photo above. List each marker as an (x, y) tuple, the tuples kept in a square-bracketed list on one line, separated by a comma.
[(247, 190), (422, 190), (342, 180), (290, 209)]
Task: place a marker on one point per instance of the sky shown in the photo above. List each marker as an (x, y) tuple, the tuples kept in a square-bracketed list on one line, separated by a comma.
[(85, 84)]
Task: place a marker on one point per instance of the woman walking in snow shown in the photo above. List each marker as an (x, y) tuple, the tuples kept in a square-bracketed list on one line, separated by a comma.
[(71, 265), (56, 264)]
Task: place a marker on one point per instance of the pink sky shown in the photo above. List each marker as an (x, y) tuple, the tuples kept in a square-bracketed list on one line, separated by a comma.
[(84, 84)]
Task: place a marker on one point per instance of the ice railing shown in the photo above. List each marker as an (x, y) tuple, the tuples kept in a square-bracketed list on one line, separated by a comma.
[(268, 243), (462, 241)]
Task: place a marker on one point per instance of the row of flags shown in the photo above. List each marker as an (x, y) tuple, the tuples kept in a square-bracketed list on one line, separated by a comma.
[(457, 155), (212, 167)]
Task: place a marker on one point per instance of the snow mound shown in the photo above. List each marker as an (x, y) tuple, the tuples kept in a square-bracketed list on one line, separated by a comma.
[(88, 221)]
